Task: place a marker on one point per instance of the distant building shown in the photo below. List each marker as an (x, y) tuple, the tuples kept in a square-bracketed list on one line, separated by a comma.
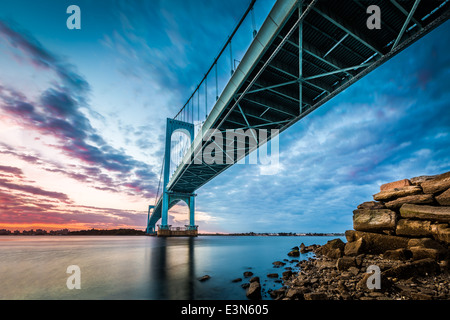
[(60, 232)]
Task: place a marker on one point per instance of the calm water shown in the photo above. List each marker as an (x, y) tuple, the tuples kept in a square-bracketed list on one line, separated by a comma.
[(140, 267)]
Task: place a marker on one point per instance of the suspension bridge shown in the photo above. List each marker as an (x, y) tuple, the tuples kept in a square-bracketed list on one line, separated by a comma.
[(304, 54)]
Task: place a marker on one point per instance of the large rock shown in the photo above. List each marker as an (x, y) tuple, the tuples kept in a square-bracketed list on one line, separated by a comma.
[(389, 195), (295, 293), (376, 243), (371, 205), (444, 198), (440, 183), (441, 232), (426, 243), (344, 263), (440, 214), (333, 249), (294, 253), (413, 228), (414, 199), (254, 291), (374, 220), (419, 253), (417, 181), (427, 248), (354, 248), (395, 184), (397, 254), (412, 269)]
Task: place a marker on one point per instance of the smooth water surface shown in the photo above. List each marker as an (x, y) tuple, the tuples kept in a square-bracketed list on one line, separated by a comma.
[(141, 267)]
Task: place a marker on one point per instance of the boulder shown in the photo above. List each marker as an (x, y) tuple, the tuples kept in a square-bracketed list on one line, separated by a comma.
[(305, 249), (440, 214), (419, 253), (414, 199), (204, 278), (417, 181), (278, 293), (272, 275), (374, 219), (287, 274), (344, 263), (427, 243), (412, 269), (371, 205), (294, 253), (309, 248), (398, 254), (441, 232), (395, 184), (377, 243), (413, 228), (354, 248), (278, 263), (439, 183), (248, 274), (295, 293), (254, 291), (444, 198), (392, 194), (333, 249)]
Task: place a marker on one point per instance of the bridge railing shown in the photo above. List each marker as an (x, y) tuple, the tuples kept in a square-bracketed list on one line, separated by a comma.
[(207, 91)]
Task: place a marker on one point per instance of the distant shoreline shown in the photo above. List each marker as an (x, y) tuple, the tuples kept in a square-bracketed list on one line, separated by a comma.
[(134, 232)]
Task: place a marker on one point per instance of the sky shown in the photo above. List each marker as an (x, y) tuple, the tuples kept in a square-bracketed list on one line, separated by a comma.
[(83, 113)]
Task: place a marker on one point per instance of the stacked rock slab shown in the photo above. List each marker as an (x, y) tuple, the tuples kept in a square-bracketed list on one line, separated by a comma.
[(408, 218), (405, 232)]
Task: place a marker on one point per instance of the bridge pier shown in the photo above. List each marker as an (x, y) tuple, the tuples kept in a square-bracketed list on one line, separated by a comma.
[(150, 227), (170, 198)]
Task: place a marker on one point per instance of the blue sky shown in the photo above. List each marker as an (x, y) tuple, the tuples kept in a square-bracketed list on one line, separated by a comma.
[(82, 116)]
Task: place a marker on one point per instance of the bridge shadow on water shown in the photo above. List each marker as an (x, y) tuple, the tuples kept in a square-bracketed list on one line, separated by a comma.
[(172, 269), (175, 265)]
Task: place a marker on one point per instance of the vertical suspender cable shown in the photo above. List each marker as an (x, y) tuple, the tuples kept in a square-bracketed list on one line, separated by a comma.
[(253, 22), (217, 85), (231, 58)]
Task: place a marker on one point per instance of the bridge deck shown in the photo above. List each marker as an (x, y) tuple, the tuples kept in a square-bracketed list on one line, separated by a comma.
[(299, 60)]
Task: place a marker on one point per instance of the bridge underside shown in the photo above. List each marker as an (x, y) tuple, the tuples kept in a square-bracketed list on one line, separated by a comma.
[(305, 53)]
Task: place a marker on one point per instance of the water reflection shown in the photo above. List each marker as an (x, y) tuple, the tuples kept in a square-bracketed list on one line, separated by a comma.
[(172, 269)]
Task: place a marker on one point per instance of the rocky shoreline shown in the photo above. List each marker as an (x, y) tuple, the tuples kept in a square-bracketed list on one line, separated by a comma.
[(399, 250), (345, 278)]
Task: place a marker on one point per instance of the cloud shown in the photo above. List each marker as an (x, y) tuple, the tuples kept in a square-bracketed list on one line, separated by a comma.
[(24, 205), (34, 190), (40, 57), (13, 170), (58, 113), (393, 124)]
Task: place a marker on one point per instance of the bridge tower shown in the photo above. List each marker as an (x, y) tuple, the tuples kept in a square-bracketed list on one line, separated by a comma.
[(169, 198)]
